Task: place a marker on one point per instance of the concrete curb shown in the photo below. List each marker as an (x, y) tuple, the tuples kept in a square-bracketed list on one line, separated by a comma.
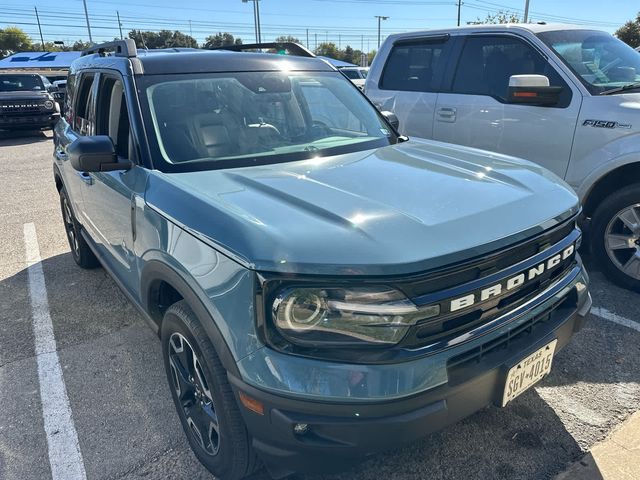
[(616, 458)]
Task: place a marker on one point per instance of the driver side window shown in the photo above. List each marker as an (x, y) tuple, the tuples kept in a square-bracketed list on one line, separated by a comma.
[(487, 63), (112, 117)]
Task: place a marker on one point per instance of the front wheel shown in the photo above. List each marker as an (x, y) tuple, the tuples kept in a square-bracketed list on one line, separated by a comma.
[(203, 398), (616, 237)]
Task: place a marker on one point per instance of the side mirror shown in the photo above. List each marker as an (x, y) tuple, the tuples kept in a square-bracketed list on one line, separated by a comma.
[(52, 88), (95, 154), (392, 119), (532, 90)]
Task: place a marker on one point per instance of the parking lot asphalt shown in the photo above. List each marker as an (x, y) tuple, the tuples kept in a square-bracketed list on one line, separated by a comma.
[(120, 402)]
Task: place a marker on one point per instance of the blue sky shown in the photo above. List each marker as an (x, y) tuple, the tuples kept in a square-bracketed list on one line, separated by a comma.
[(340, 21)]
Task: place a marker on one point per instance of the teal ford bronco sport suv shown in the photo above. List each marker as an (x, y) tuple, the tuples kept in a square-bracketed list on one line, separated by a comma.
[(323, 288)]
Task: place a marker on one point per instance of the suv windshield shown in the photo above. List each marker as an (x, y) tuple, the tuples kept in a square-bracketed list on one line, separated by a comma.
[(220, 120), (600, 60), (16, 83)]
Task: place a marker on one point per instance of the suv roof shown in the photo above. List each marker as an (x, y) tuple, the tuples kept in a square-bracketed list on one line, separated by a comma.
[(528, 27), (192, 60)]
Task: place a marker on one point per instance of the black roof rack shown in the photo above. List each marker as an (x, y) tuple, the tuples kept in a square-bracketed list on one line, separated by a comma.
[(120, 48), (289, 47)]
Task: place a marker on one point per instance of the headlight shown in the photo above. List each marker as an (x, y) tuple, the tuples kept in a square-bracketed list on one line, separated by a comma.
[(48, 104), (346, 316)]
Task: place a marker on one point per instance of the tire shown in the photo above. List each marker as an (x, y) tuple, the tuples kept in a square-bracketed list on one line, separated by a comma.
[(80, 250), (224, 450), (615, 237)]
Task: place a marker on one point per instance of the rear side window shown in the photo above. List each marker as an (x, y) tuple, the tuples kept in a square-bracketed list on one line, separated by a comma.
[(68, 99), (414, 67), (83, 123), (487, 62)]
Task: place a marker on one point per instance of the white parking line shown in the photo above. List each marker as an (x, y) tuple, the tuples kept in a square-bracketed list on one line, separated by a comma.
[(615, 318), (65, 457)]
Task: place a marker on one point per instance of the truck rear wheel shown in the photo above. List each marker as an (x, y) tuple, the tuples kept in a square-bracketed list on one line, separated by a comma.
[(80, 250), (615, 240)]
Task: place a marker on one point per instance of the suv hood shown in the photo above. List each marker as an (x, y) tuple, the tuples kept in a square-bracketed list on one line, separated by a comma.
[(394, 210)]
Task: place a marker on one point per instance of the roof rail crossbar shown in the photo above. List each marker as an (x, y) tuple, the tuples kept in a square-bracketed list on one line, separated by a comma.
[(121, 48), (290, 47)]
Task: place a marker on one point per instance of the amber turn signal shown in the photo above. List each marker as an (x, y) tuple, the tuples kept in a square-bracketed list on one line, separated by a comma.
[(251, 403)]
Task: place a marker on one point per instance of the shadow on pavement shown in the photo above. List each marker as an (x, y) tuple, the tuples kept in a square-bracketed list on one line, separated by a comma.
[(22, 137)]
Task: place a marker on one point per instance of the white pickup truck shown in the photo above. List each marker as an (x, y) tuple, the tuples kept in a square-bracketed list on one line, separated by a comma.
[(565, 97)]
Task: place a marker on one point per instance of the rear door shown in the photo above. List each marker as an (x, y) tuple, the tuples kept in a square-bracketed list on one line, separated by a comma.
[(410, 80), (472, 109), (77, 121)]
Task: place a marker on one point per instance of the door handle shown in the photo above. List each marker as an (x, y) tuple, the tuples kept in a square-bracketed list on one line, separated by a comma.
[(60, 155), (85, 177), (447, 114)]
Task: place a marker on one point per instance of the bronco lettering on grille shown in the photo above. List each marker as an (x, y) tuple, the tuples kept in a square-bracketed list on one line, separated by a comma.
[(512, 283)]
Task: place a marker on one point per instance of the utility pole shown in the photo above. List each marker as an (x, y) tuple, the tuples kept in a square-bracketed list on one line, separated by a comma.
[(307, 45), (119, 24), (86, 15), (256, 18), (339, 40), (39, 28), (190, 30), (526, 11), (257, 4), (459, 8), (380, 18), (316, 41)]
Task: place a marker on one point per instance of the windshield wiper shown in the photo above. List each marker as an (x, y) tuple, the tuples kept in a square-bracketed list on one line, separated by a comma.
[(630, 86)]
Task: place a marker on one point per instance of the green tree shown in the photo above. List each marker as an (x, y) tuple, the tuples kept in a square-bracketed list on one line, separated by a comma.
[(370, 56), (80, 45), (629, 33), (12, 40), (502, 16), (287, 39), (347, 55), (328, 49), (221, 39), (162, 39)]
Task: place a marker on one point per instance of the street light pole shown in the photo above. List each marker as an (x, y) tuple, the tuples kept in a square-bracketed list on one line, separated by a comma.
[(459, 7), (380, 18), (86, 15), (526, 11)]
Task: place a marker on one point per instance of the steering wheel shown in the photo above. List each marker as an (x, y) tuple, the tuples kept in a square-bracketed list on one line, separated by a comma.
[(321, 127)]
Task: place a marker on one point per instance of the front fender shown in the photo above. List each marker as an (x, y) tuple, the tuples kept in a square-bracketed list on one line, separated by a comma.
[(220, 291)]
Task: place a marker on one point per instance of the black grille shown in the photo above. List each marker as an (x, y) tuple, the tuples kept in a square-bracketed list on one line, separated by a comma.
[(462, 367), (19, 107), (449, 325), (487, 265)]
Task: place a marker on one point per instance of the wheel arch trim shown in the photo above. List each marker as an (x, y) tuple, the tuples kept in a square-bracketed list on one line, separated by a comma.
[(590, 184), (156, 270)]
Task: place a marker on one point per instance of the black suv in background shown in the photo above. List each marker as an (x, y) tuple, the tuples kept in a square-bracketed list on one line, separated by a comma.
[(27, 102)]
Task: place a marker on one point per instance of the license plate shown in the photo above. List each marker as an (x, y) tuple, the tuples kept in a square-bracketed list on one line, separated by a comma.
[(528, 372)]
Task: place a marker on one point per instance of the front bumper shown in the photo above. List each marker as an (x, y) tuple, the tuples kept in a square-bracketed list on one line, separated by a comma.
[(11, 122), (341, 433)]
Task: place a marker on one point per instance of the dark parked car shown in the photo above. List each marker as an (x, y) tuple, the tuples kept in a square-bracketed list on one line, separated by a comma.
[(323, 287), (27, 102)]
